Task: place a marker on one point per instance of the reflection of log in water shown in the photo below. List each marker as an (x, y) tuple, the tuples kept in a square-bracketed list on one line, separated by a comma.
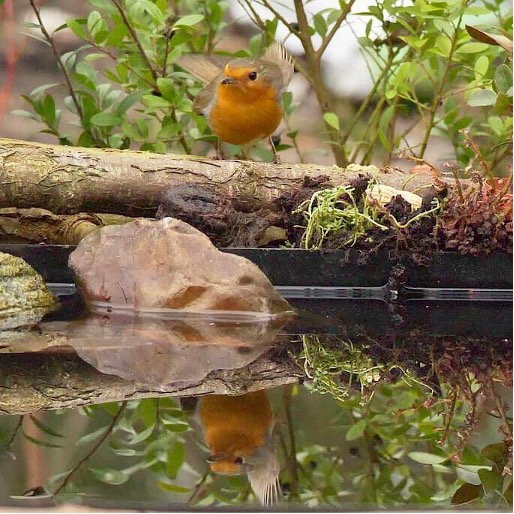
[(30, 382)]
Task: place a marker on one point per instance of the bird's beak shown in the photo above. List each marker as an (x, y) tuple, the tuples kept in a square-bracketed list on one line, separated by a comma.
[(216, 457), (228, 80)]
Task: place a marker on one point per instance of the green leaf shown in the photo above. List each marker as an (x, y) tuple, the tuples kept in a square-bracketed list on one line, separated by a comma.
[(106, 119), (110, 476), (331, 120), (320, 25), (142, 436), (175, 459), (481, 67), (490, 480), (44, 428), (88, 438), (155, 102), (128, 102), (166, 87), (40, 89), (189, 20), (482, 98), (39, 442), (25, 114), (77, 27), (125, 452), (503, 78), (173, 488), (472, 48), (356, 430), (426, 458)]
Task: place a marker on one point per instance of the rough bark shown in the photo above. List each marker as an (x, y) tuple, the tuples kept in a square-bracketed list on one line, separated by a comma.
[(55, 378), (69, 180)]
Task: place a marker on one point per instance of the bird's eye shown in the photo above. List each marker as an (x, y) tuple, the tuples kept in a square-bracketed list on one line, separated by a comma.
[(238, 460), (252, 75)]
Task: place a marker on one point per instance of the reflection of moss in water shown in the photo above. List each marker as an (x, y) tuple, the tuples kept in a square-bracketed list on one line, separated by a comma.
[(336, 370), (398, 419)]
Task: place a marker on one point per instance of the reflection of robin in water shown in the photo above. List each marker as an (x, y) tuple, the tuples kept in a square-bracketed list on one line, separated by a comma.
[(238, 432)]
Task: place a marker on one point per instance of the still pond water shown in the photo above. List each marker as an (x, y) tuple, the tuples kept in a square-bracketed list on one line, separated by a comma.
[(354, 404)]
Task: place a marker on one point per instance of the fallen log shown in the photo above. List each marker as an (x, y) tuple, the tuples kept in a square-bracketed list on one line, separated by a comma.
[(69, 180)]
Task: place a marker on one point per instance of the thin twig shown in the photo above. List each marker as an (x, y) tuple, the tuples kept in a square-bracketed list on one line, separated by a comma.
[(67, 78), (293, 463), (93, 450), (199, 488), (328, 38), (15, 431), (135, 38)]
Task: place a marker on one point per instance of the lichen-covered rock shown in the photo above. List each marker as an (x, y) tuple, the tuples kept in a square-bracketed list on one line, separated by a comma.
[(150, 264), (24, 296)]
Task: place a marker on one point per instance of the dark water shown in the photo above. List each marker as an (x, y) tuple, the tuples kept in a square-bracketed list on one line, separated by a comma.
[(375, 405)]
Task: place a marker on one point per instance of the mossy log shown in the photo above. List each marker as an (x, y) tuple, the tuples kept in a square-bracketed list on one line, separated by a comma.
[(70, 180)]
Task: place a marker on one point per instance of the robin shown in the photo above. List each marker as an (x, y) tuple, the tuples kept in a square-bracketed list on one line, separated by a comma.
[(242, 100), (238, 432)]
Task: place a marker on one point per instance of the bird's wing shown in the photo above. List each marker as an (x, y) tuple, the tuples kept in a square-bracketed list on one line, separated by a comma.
[(203, 67), (204, 99), (276, 53)]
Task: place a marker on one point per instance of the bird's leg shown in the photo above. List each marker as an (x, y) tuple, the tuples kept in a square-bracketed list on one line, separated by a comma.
[(220, 155), (276, 158)]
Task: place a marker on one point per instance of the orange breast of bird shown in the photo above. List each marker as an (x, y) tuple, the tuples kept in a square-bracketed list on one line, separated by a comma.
[(242, 115), (235, 425)]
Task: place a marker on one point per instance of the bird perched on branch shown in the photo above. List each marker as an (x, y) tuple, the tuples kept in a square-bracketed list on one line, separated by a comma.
[(238, 432), (242, 100)]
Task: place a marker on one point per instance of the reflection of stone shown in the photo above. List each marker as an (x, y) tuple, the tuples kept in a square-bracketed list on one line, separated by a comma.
[(24, 297), (156, 352), (168, 263)]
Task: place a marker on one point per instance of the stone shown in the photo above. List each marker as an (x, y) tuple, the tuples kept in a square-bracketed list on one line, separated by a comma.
[(24, 296), (167, 264)]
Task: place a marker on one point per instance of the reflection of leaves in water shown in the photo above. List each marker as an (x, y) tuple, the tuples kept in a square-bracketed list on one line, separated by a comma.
[(393, 418)]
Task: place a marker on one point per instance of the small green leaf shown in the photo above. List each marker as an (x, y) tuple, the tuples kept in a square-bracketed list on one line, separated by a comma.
[(77, 27), (142, 436), (481, 67), (188, 20), (174, 460), (106, 119), (490, 480), (472, 48), (320, 25), (172, 488), (41, 443), (166, 87), (110, 476), (356, 430), (155, 102), (482, 98), (88, 438), (43, 427), (331, 120), (426, 458), (503, 78)]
